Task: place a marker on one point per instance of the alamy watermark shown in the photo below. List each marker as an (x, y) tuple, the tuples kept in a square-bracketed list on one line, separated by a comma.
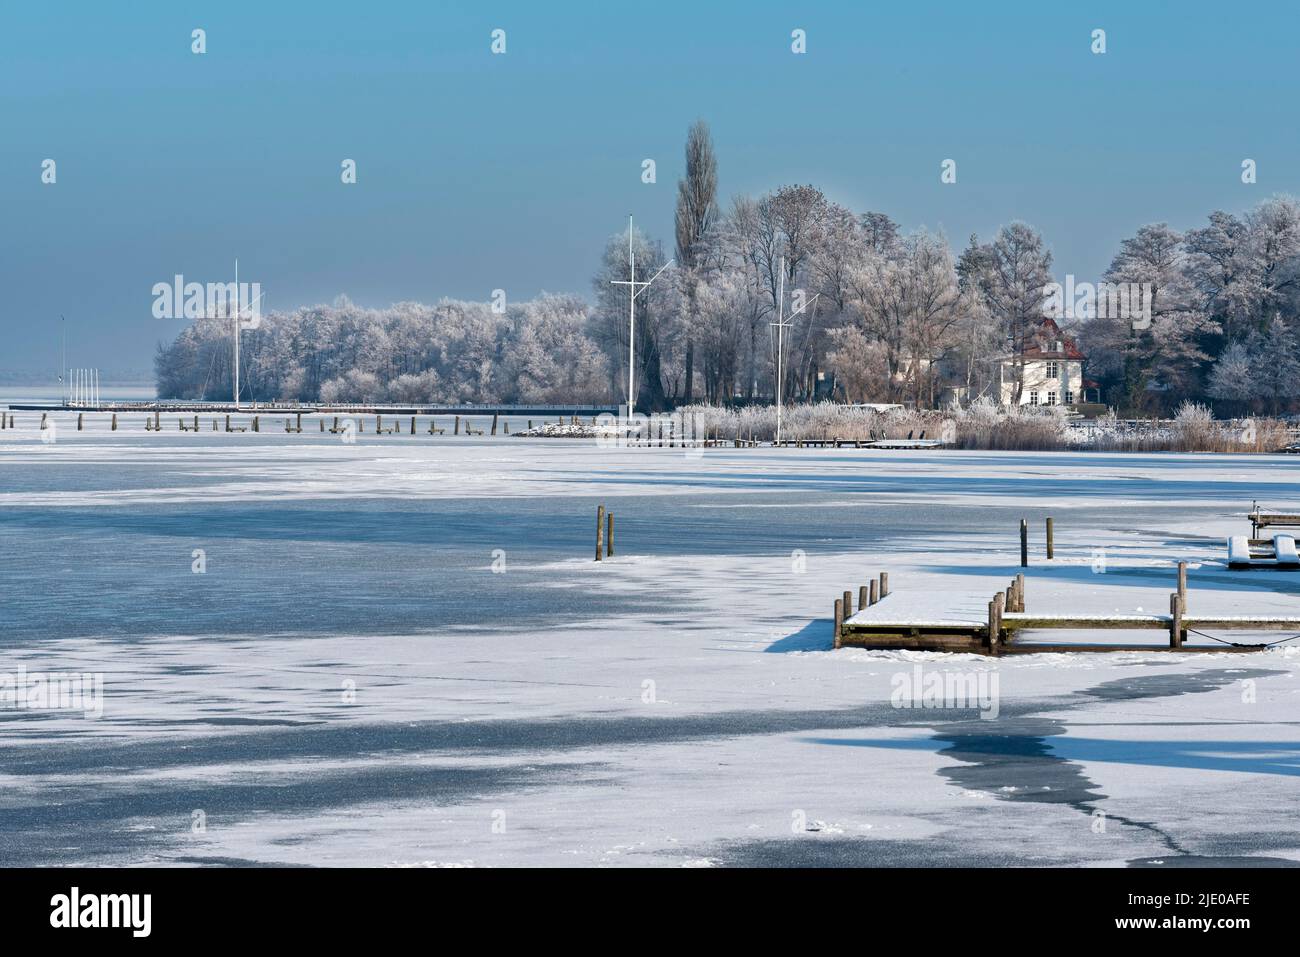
[(1130, 301), (179, 299), (53, 691), (947, 690)]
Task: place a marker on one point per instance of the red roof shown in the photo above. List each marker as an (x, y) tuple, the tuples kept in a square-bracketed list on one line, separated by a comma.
[(1049, 342)]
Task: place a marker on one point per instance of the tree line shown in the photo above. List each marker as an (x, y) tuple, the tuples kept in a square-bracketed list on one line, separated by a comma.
[(890, 317)]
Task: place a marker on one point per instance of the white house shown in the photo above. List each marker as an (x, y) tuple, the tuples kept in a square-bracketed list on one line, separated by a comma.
[(1053, 370)]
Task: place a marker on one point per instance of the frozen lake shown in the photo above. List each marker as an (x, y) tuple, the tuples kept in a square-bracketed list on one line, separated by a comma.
[(349, 680)]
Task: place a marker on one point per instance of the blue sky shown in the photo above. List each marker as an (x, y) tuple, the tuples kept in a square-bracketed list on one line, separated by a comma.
[(478, 171)]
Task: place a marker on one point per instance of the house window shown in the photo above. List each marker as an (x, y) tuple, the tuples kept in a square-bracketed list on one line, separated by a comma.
[(1069, 398), (1053, 370), (1033, 397), (1051, 398)]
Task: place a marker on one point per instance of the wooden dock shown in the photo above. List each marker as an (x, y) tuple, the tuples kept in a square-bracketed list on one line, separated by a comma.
[(1003, 629)]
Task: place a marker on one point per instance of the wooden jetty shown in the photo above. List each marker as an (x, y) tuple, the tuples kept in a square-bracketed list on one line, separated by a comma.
[(887, 626)]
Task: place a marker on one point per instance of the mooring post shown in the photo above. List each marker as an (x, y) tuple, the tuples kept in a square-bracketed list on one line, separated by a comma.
[(113, 427), (838, 622), (228, 423), (321, 423), (864, 597), (1175, 621), (1024, 544), (1020, 592), (873, 593), (379, 424), (993, 624), (609, 535), (256, 424), (456, 430), (884, 585), (1182, 582), (600, 530), (999, 607), (412, 425), (848, 604), (1051, 550), (495, 415), (79, 418)]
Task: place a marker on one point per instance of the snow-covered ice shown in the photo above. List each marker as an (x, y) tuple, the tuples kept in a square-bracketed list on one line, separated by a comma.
[(400, 652)]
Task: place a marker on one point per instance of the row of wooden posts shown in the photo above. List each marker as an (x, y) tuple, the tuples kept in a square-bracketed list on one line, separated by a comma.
[(1013, 599), (868, 595), (154, 424), (604, 533)]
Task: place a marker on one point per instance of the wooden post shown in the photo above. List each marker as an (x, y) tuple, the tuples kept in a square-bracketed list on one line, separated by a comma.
[(530, 425), (993, 624), (456, 431), (884, 585), (322, 424), (228, 423), (79, 417), (600, 530), (42, 421), (838, 624), (1051, 550), (379, 424), (157, 421), (412, 425), (864, 597), (873, 592), (113, 426), (609, 535), (848, 604), (1182, 583), (995, 643), (494, 422), (1024, 544), (506, 425), (1020, 592), (256, 424), (335, 429), (1175, 621)]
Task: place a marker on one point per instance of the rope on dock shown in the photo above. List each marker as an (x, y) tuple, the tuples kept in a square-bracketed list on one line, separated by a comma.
[(1239, 644)]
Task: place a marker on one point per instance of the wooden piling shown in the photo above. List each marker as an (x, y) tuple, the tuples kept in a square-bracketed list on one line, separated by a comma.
[(864, 597), (995, 637), (873, 592), (838, 621), (495, 415), (1175, 621), (1051, 549), (1020, 592), (256, 424), (113, 424), (600, 530), (848, 604), (609, 535), (1182, 582), (1024, 544), (80, 416), (412, 425), (456, 430), (884, 585), (228, 423)]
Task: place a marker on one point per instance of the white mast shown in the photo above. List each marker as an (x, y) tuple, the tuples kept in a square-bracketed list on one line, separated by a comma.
[(633, 291), (781, 325), (236, 333)]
